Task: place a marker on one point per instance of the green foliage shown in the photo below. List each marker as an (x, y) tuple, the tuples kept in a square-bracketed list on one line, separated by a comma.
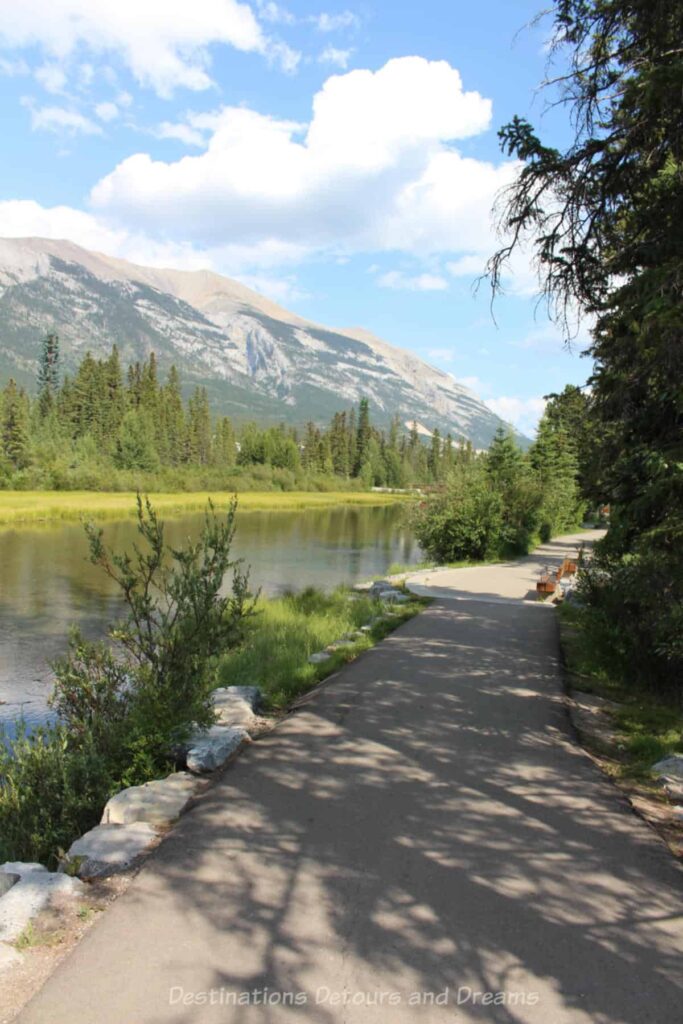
[(14, 439), (106, 429), (650, 721), (604, 217), (125, 707), (496, 505), (52, 789), (48, 373), (286, 630), (465, 521)]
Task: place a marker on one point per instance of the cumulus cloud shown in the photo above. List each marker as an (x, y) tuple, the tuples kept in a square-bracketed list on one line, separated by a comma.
[(399, 281), (24, 217), (375, 169), (164, 43), (523, 413)]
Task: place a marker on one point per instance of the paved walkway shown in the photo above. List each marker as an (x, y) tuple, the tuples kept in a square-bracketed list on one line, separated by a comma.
[(422, 828)]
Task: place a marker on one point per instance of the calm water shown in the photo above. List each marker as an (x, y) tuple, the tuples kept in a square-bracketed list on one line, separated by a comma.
[(46, 582)]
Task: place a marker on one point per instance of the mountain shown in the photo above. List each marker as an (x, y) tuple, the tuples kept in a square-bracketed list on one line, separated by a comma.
[(257, 360)]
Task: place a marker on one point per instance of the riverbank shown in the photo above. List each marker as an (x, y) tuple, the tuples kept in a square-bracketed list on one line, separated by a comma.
[(27, 507), (439, 762)]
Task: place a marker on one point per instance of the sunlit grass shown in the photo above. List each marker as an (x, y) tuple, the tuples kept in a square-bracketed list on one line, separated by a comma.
[(18, 507), (286, 630)]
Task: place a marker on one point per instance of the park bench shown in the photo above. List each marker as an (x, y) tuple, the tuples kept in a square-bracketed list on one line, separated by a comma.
[(547, 582)]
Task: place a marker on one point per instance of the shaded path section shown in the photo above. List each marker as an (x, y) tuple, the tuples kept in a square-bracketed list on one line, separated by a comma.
[(423, 822)]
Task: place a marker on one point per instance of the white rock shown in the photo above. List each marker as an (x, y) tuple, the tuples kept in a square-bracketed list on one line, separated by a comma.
[(7, 880), (319, 657), (251, 694), (9, 956), (232, 708), (159, 802), (212, 749), (109, 848), (670, 767), (30, 895)]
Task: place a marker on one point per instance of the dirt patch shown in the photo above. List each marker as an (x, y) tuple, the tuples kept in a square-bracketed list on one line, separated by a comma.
[(51, 936)]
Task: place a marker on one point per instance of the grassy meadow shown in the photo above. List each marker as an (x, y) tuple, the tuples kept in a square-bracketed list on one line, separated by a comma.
[(17, 507)]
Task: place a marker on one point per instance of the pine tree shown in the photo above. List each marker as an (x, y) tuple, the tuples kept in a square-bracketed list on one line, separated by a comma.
[(363, 435), (174, 419), (48, 373), (15, 439)]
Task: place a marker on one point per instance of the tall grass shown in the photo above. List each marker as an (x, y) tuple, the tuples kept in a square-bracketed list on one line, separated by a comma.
[(18, 507), (285, 631)]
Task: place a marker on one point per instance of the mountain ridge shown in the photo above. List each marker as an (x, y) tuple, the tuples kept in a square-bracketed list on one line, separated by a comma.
[(256, 358)]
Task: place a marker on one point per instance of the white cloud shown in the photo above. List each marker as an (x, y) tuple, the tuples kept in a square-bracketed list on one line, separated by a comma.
[(51, 77), (274, 13), (25, 218), (333, 22), (399, 281), (60, 120), (164, 43), (280, 53), (107, 111), (184, 133), (331, 55), (374, 170), (13, 68), (523, 413)]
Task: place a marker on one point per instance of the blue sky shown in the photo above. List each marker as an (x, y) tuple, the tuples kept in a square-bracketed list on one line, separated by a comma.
[(341, 159)]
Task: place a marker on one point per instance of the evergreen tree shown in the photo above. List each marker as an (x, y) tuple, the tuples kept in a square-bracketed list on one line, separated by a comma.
[(15, 439), (363, 435), (48, 373)]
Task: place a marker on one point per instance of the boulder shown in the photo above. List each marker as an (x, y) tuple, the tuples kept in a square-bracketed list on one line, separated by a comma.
[(106, 849), (159, 802), (381, 588), (7, 880), (395, 598), (673, 789), (30, 894), (319, 657), (214, 748), (669, 768), (235, 705)]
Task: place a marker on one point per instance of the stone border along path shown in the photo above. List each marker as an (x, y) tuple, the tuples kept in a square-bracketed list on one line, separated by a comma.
[(134, 819), (423, 825)]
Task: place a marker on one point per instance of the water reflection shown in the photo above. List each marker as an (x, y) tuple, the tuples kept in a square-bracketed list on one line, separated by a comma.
[(47, 583)]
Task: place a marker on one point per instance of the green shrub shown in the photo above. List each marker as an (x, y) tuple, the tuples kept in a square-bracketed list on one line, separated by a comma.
[(124, 707), (52, 789), (465, 522)]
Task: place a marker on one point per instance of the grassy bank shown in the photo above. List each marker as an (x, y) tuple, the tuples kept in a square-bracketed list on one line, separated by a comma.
[(648, 727), (54, 783), (285, 631), (17, 507)]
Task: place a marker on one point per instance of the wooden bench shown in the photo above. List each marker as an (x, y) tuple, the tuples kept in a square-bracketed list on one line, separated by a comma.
[(547, 584)]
